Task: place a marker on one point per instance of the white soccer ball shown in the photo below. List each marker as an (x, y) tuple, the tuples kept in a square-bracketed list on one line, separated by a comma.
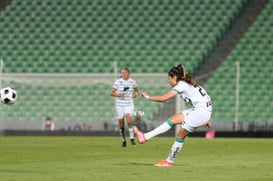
[(8, 95)]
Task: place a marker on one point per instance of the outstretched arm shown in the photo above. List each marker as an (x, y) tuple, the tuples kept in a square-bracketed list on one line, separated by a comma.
[(161, 98)]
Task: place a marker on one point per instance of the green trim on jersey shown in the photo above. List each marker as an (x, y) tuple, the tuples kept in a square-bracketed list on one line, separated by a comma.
[(178, 92)]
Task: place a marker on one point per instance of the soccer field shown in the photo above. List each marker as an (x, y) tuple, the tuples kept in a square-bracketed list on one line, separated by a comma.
[(102, 158)]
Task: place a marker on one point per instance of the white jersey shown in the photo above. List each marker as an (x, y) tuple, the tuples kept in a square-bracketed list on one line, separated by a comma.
[(196, 96), (125, 87)]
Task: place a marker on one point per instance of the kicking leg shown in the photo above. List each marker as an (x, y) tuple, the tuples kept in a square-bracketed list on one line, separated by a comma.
[(168, 124)]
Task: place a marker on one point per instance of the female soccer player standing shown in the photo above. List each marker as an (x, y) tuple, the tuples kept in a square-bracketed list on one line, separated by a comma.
[(190, 119), (125, 90)]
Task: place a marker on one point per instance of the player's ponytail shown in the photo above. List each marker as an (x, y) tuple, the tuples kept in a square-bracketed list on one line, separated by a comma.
[(179, 72), (188, 79)]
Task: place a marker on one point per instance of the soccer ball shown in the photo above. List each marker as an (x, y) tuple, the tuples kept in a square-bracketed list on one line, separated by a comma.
[(8, 95)]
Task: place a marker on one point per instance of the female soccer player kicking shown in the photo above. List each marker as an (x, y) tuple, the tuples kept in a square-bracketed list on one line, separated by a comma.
[(190, 119)]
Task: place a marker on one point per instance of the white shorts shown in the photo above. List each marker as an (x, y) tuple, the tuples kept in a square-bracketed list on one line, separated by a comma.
[(195, 118), (121, 111)]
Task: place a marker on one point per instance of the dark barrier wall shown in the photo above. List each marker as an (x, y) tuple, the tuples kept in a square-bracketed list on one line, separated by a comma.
[(258, 134)]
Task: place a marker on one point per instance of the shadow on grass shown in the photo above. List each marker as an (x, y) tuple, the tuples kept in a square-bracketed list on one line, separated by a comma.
[(145, 164)]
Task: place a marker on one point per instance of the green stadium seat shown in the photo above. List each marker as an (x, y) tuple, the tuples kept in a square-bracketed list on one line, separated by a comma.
[(254, 81), (78, 37)]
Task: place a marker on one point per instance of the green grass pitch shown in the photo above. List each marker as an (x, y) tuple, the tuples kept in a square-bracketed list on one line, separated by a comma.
[(102, 158)]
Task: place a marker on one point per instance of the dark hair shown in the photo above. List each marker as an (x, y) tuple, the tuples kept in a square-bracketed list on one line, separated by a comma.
[(48, 118), (179, 72), (127, 69)]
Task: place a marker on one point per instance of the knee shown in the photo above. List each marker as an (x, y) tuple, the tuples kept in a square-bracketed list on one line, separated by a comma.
[(181, 134)]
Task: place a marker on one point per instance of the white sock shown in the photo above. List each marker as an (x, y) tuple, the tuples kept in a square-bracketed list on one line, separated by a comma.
[(177, 146), (131, 133), (159, 130)]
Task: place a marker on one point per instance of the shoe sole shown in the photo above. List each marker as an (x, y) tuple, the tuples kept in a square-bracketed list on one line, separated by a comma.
[(163, 165)]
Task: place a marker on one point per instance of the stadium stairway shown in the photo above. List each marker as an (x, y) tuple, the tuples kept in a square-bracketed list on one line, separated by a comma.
[(237, 27), (3, 4)]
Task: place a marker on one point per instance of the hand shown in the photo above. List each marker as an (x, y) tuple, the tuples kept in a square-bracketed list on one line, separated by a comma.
[(121, 95), (135, 94), (144, 94), (208, 124)]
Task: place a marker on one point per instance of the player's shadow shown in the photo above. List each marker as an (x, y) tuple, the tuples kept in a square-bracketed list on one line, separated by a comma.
[(132, 163), (139, 163), (148, 164)]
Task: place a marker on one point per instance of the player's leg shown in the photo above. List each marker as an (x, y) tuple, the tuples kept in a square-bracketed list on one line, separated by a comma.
[(193, 119), (130, 128), (120, 117), (122, 132), (128, 115), (175, 149), (168, 124)]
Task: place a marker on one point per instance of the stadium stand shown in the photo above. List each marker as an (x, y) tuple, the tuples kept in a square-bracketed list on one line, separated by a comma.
[(41, 33), (87, 36), (254, 54)]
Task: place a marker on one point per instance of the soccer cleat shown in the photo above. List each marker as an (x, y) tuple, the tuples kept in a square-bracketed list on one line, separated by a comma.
[(164, 163), (140, 135), (133, 142), (123, 144)]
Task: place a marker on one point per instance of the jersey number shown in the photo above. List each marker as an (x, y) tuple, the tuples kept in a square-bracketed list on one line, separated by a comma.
[(202, 91)]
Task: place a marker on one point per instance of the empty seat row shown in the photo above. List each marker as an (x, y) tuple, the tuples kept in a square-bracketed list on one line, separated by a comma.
[(87, 36)]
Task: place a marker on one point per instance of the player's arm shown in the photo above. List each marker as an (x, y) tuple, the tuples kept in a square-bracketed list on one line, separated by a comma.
[(115, 94), (161, 98), (136, 92)]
